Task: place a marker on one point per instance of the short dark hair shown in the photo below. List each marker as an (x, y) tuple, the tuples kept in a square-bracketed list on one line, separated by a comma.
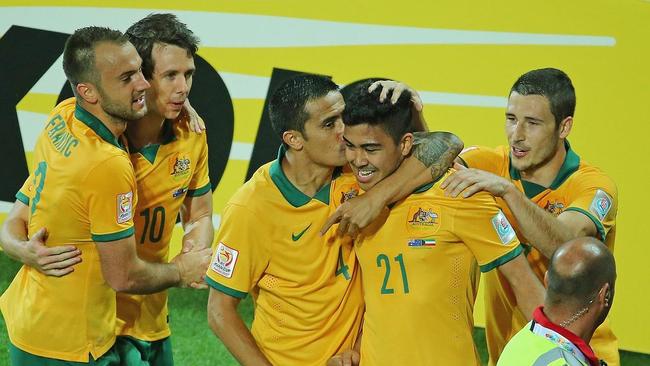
[(553, 84), (362, 107), (588, 274), (161, 28), (287, 105), (79, 53)]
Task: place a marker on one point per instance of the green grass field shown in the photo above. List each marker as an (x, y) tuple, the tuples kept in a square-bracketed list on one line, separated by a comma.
[(195, 345)]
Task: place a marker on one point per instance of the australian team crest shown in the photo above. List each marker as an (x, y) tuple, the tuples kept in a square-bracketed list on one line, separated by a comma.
[(179, 166), (554, 208), (351, 193), (423, 217)]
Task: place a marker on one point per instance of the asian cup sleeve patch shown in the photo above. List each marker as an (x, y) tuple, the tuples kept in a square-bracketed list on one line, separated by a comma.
[(124, 207), (503, 228), (601, 204), (224, 261)]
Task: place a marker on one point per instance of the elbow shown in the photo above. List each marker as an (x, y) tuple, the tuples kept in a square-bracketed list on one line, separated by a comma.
[(213, 321), (216, 321), (455, 143), (121, 282), (220, 313)]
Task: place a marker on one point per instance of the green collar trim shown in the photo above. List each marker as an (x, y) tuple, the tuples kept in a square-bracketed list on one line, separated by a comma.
[(421, 189), (149, 152), (425, 187), (96, 125), (569, 166), (532, 189), (292, 194)]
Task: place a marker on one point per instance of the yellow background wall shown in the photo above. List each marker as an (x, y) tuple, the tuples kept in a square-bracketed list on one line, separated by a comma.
[(463, 77)]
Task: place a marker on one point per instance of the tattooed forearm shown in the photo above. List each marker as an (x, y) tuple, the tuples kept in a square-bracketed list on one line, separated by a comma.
[(436, 150)]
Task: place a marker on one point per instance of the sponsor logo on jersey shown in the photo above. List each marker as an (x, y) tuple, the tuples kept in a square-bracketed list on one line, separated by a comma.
[(601, 204), (179, 192), (296, 237), (124, 207), (422, 242), (503, 228), (179, 166), (224, 261), (554, 208)]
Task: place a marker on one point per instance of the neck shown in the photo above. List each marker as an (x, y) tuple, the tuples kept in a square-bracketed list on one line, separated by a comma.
[(545, 173), (117, 126), (570, 319), (145, 131), (304, 174)]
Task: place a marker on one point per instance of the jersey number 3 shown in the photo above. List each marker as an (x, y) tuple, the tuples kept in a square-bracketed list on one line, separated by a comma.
[(39, 175)]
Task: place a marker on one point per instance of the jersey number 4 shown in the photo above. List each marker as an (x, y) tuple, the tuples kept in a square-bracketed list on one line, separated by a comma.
[(342, 268)]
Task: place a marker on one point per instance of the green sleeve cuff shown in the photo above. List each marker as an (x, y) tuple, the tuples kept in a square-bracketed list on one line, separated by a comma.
[(199, 191), (101, 238), (20, 196), (226, 290), (599, 225), (502, 260)]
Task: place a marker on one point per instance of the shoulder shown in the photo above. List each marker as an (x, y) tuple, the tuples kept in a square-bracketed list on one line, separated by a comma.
[(111, 165), (181, 128), (257, 191), (66, 106), (485, 158), (479, 199), (590, 178), (591, 173), (64, 111), (477, 151)]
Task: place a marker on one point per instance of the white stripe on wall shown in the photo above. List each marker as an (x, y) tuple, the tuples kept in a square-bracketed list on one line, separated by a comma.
[(245, 30)]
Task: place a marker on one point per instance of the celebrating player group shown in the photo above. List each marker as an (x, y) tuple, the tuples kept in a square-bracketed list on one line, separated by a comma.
[(362, 243)]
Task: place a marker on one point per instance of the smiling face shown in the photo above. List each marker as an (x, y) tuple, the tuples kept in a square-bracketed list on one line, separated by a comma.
[(372, 153), (532, 132), (121, 87), (171, 80)]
